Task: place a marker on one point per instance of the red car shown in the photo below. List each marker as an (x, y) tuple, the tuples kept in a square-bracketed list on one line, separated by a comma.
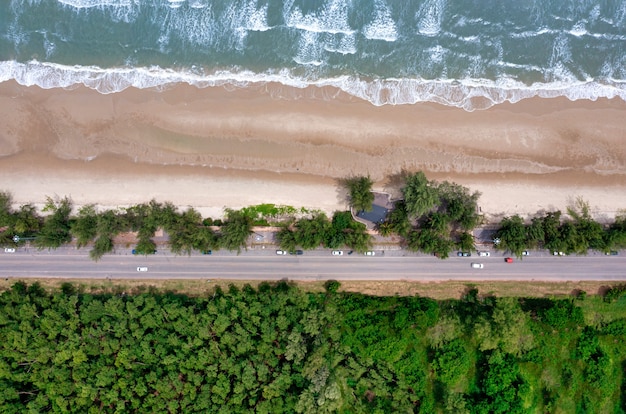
[(508, 260)]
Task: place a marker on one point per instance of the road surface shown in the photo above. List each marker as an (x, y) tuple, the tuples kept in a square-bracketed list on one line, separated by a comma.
[(258, 264)]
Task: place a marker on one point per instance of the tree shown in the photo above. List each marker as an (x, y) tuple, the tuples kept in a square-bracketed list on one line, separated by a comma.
[(360, 189), (84, 227), (466, 242), (419, 194), (56, 227), (236, 230), (512, 235)]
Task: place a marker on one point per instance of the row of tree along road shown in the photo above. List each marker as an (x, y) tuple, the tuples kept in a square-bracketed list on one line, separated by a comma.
[(432, 217)]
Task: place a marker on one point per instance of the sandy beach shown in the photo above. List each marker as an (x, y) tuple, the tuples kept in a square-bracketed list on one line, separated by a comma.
[(214, 148)]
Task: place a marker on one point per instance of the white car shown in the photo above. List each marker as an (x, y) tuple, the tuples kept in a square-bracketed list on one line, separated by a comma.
[(525, 253), (142, 269), (484, 254), (370, 253), (281, 252), (337, 253), (558, 254), (9, 250), (477, 265)]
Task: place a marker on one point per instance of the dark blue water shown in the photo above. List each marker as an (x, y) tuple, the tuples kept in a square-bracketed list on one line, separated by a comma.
[(464, 53)]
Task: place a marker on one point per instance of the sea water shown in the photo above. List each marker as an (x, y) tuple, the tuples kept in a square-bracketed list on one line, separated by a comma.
[(465, 53)]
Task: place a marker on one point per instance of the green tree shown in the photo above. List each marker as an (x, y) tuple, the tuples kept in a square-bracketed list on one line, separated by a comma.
[(360, 192), (236, 230), (84, 226), (466, 242), (420, 196), (56, 227), (512, 235)]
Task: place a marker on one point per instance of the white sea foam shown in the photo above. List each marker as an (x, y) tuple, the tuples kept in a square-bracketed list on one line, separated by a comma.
[(309, 49), (383, 27), (340, 43), (82, 4), (469, 94), (333, 18), (430, 16)]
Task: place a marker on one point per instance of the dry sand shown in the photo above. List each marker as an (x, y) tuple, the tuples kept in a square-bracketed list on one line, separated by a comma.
[(213, 148)]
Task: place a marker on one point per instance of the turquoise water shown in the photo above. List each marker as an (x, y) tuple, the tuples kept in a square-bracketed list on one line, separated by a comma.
[(466, 53)]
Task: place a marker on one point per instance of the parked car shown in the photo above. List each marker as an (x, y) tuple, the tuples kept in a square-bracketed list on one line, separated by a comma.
[(508, 260), (370, 253), (9, 250), (209, 252), (142, 269), (611, 253), (297, 252), (477, 266), (135, 251), (484, 254), (525, 253), (281, 252), (337, 253), (464, 254), (558, 254)]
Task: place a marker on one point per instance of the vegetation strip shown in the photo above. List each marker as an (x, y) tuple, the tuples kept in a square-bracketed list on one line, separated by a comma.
[(432, 217)]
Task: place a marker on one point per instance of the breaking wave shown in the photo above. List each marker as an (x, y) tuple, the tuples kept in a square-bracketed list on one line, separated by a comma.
[(469, 94)]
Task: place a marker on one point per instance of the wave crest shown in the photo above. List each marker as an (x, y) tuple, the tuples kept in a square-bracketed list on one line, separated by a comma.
[(469, 94)]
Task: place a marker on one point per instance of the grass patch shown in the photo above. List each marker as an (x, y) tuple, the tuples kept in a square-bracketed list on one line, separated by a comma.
[(593, 307)]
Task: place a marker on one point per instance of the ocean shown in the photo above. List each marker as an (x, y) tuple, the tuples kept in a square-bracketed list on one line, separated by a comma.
[(470, 54)]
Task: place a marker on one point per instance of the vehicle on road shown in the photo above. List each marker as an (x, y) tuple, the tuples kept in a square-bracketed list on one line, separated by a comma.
[(297, 252), (464, 254), (477, 266), (207, 252), (370, 253), (508, 260), (136, 252), (525, 253), (558, 254), (337, 253), (142, 269), (612, 253), (484, 254), (9, 250), (281, 252)]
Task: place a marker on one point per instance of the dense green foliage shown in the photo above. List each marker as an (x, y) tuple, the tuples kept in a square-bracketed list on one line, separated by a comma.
[(316, 231), (360, 192), (434, 217), (279, 349), (576, 235)]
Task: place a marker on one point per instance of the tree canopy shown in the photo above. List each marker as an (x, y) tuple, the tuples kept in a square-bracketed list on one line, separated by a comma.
[(275, 348)]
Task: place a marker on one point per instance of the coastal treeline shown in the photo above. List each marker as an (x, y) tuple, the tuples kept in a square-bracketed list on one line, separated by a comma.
[(431, 217), (276, 348), (573, 235), (187, 230)]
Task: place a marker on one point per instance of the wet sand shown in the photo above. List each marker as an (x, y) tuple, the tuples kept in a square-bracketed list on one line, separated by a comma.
[(213, 148)]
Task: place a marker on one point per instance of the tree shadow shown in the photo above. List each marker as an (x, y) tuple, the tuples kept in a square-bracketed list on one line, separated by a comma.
[(394, 184), (341, 190)]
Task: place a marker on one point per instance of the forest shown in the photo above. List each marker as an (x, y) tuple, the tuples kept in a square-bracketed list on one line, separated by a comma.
[(279, 349)]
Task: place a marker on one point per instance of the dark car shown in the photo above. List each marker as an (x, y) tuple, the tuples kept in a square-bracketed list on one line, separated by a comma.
[(209, 252), (612, 253), (464, 254), (135, 252), (297, 252)]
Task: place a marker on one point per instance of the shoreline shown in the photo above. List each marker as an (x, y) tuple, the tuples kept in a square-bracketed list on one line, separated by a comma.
[(213, 148)]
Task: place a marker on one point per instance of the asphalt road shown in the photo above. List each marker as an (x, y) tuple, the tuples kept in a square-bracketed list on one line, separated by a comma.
[(261, 264)]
